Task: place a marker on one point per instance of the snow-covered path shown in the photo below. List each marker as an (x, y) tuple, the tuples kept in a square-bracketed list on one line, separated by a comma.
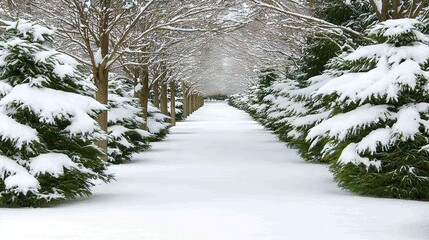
[(220, 176)]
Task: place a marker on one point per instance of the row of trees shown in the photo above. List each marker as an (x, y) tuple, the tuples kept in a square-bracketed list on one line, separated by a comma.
[(357, 103), (147, 63), (146, 41), (48, 115), (108, 74)]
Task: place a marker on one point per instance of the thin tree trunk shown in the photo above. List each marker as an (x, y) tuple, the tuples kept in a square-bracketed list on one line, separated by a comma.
[(173, 103), (101, 79), (185, 101), (144, 94), (201, 102), (164, 98), (190, 104), (155, 88), (195, 102)]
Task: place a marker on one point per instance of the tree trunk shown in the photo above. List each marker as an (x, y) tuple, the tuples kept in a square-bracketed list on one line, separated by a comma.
[(194, 102), (144, 94), (164, 98), (101, 80), (190, 110), (185, 101), (101, 77), (155, 88), (173, 103), (200, 102)]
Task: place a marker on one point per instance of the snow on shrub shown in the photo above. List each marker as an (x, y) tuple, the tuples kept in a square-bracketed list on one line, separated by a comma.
[(157, 124), (179, 109), (262, 95), (125, 122), (178, 102), (378, 129), (285, 109), (312, 112), (47, 120)]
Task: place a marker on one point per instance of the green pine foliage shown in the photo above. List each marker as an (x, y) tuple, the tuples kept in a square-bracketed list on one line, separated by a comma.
[(363, 111), (319, 49), (158, 124), (381, 92), (261, 101), (126, 136), (179, 102), (48, 122)]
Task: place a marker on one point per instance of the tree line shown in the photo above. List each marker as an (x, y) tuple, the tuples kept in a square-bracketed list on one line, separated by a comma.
[(357, 101)]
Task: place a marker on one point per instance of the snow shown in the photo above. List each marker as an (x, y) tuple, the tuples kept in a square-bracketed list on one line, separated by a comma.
[(159, 116), (220, 176), (339, 126), (154, 126), (63, 65), (395, 27), (138, 87), (152, 109), (123, 112), (295, 108), (18, 133), (18, 177), (310, 119), (97, 57), (156, 121), (116, 131), (42, 56), (398, 67), (50, 104), (408, 121), (25, 28), (369, 51), (22, 183), (378, 137), (350, 155), (314, 84), (52, 163), (4, 88), (63, 70)]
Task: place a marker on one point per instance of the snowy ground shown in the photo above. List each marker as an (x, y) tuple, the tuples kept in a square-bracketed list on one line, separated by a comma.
[(220, 176)]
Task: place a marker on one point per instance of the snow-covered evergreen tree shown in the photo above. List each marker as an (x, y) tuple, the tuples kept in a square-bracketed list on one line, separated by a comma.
[(262, 95), (378, 132), (276, 101), (317, 52), (158, 124), (179, 109), (179, 102), (312, 111), (240, 101), (125, 122), (47, 120)]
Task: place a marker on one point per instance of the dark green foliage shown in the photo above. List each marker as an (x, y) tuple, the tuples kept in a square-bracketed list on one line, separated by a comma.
[(179, 102), (315, 56), (33, 67), (125, 122), (159, 136), (404, 173), (400, 168), (320, 49)]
